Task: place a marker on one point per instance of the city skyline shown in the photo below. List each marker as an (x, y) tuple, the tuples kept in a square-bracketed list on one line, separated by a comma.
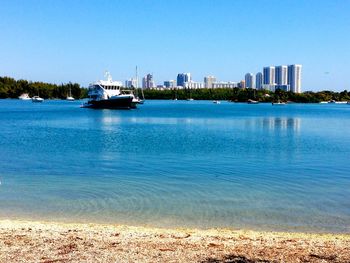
[(284, 77), (54, 41)]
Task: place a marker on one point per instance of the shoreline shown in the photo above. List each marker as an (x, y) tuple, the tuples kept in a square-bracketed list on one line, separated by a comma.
[(44, 241)]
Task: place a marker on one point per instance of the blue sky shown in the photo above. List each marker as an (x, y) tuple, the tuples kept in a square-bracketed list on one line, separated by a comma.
[(60, 41)]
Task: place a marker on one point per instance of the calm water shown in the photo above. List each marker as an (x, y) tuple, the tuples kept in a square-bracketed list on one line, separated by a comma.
[(178, 163)]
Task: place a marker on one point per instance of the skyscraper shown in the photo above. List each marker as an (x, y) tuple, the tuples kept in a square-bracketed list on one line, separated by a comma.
[(208, 82), (269, 75), (250, 81), (148, 82), (170, 84), (258, 80), (281, 75), (182, 78), (294, 78), (131, 83)]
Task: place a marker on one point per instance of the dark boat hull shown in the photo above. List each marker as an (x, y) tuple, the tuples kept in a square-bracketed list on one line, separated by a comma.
[(113, 103)]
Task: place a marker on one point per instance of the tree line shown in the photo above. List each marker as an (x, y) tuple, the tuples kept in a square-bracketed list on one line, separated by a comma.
[(243, 95), (11, 88)]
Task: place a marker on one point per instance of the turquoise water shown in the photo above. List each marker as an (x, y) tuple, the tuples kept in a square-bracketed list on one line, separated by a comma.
[(178, 163)]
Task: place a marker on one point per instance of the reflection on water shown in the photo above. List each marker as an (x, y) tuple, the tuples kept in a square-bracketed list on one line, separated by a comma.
[(275, 124), (282, 124)]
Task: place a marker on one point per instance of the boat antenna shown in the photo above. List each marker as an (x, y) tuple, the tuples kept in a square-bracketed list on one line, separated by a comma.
[(108, 76)]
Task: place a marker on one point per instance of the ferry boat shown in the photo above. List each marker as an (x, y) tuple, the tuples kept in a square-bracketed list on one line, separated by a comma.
[(107, 94), (24, 96)]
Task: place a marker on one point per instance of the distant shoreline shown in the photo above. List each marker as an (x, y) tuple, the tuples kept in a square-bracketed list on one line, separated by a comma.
[(11, 88), (62, 242), (208, 100)]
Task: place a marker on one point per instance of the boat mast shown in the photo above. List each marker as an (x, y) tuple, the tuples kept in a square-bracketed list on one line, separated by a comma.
[(137, 85)]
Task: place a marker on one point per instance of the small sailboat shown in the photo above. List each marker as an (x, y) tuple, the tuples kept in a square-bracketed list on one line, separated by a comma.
[(175, 96), (190, 98), (70, 98), (136, 99)]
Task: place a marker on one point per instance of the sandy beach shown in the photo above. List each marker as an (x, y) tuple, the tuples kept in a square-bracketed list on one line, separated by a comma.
[(26, 241)]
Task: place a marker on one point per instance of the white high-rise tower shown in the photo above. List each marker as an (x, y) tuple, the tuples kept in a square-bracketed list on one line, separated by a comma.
[(250, 81), (208, 82), (294, 78)]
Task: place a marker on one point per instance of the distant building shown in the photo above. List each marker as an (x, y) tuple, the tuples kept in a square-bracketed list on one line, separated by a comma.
[(224, 85), (170, 84), (148, 82), (131, 83), (294, 78), (270, 87), (269, 75), (208, 82), (250, 81), (182, 78), (241, 84), (282, 87), (258, 80), (193, 85), (281, 75)]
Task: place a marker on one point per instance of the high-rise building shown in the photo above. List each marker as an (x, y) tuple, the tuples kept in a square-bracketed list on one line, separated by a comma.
[(182, 78), (131, 83), (241, 84), (294, 78), (148, 82), (208, 82), (170, 84), (250, 81), (281, 75), (258, 80), (269, 75)]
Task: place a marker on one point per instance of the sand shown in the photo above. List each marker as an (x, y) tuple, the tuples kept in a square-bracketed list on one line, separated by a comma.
[(26, 241)]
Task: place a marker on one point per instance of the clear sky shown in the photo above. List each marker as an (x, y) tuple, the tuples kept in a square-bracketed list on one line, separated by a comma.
[(60, 41)]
